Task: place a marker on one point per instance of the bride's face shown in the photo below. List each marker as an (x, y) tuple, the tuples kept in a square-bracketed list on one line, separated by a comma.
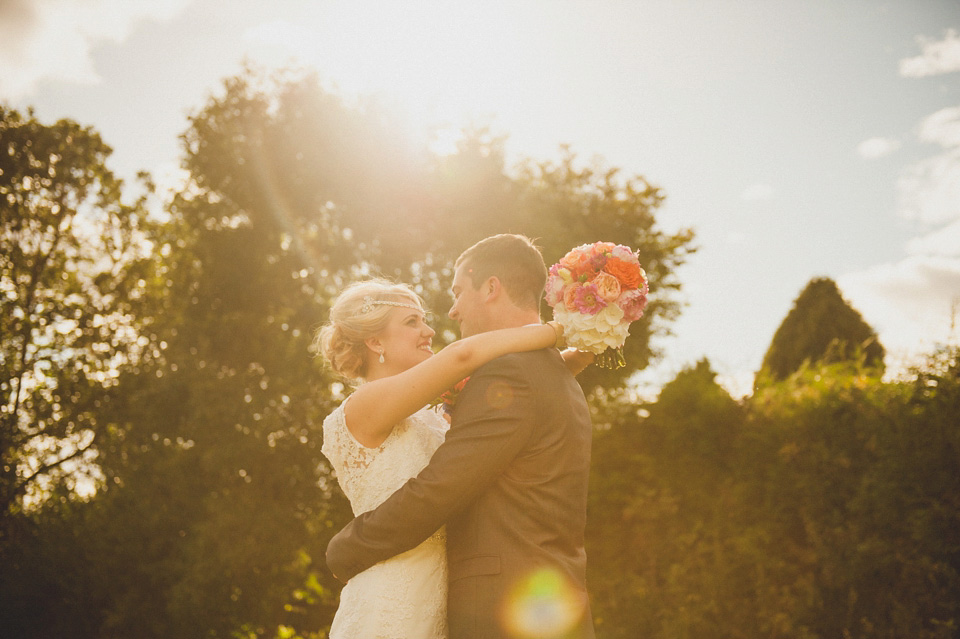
[(406, 341)]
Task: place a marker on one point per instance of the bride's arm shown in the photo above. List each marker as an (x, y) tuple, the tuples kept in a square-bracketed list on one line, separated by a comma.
[(376, 407)]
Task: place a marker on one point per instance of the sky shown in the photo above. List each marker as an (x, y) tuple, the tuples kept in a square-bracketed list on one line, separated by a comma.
[(798, 139)]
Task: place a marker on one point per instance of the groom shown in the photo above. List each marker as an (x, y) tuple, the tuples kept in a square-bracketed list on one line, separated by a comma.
[(510, 481)]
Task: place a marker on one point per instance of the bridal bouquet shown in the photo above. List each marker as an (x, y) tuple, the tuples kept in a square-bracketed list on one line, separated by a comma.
[(596, 291)]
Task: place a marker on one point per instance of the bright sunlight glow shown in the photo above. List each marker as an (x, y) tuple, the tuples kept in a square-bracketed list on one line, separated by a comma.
[(440, 66)]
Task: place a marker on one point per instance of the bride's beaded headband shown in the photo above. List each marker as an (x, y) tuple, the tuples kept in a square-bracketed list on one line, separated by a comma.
[(369, 303)]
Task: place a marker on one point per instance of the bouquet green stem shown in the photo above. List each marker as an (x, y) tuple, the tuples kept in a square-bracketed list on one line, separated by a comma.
[(611, 358)]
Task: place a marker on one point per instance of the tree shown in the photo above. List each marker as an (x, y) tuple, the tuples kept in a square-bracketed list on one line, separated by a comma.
[(215, 502), (294, 193), (353, 195), (853, 481), (821, 326), (72, 269), (659, 523), (824, 505)]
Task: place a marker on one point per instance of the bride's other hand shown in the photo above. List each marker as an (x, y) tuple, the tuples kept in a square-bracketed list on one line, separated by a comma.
[(576, 360)]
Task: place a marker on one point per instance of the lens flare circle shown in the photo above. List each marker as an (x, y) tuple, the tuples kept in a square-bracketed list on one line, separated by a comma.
[(542, 605)]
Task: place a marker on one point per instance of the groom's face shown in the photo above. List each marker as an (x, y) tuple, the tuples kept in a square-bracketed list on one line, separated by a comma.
[(468, 303)]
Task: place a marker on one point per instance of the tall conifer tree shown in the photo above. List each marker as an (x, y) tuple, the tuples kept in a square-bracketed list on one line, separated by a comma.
[(821, 326)]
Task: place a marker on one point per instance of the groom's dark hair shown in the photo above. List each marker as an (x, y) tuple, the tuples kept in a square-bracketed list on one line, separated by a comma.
[(515, 260)]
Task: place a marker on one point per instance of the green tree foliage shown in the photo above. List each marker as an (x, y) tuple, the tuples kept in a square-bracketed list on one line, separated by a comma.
[(823, 506), (292, 194), (660, 487), (821, 326), (215, 504), (352, 193), (860, 485), (72, 269)]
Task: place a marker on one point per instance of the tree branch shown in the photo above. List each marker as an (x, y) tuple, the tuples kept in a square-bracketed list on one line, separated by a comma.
[(38, 267), (21, 486)]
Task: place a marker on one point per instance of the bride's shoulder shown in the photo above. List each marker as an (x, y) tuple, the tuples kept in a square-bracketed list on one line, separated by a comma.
[(336, 418)]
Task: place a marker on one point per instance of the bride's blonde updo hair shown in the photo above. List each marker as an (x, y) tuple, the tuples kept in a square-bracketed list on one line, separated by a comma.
[(355, 317)]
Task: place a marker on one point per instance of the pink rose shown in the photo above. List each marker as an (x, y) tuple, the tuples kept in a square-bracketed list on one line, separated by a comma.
[(622, 252), (604, 247), (633, 302), (554, 289)]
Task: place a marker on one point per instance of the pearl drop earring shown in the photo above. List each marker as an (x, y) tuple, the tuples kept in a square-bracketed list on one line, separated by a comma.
[(381, 356)]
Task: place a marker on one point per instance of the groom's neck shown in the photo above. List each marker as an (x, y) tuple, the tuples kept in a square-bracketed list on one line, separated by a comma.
[(513, 317)]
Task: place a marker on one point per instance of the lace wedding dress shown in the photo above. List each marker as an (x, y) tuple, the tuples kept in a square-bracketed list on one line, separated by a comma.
[(405, 596)]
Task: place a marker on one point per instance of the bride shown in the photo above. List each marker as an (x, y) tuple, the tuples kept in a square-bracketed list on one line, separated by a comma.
[(383, 434)]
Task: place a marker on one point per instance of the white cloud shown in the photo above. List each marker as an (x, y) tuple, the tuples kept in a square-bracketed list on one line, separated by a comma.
[(930, 189), (877, 147), (282, 33), (942, 127), (756, 192), (943, 242), (913, 304), (282, 39), (735, 237), (16, 18), (44, 40), (937, 57), (281, 43)]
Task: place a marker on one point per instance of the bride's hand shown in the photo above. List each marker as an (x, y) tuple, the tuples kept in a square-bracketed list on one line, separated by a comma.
[(576, 360)]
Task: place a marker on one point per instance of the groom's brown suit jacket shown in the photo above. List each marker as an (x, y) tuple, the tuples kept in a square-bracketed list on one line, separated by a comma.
[(510, 483)]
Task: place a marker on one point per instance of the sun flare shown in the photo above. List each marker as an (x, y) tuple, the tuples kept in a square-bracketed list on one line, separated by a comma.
[(440, 67)]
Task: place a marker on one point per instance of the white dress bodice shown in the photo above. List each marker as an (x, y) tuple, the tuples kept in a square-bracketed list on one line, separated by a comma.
[(405, 596)]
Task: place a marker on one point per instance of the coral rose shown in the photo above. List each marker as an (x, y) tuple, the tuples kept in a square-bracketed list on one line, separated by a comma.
[(608, 287), (570, 296), (578, 262), (630, 275)]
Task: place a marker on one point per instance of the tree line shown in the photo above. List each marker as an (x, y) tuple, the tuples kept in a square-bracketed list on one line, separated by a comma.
[(160, 466), (823, 505)]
